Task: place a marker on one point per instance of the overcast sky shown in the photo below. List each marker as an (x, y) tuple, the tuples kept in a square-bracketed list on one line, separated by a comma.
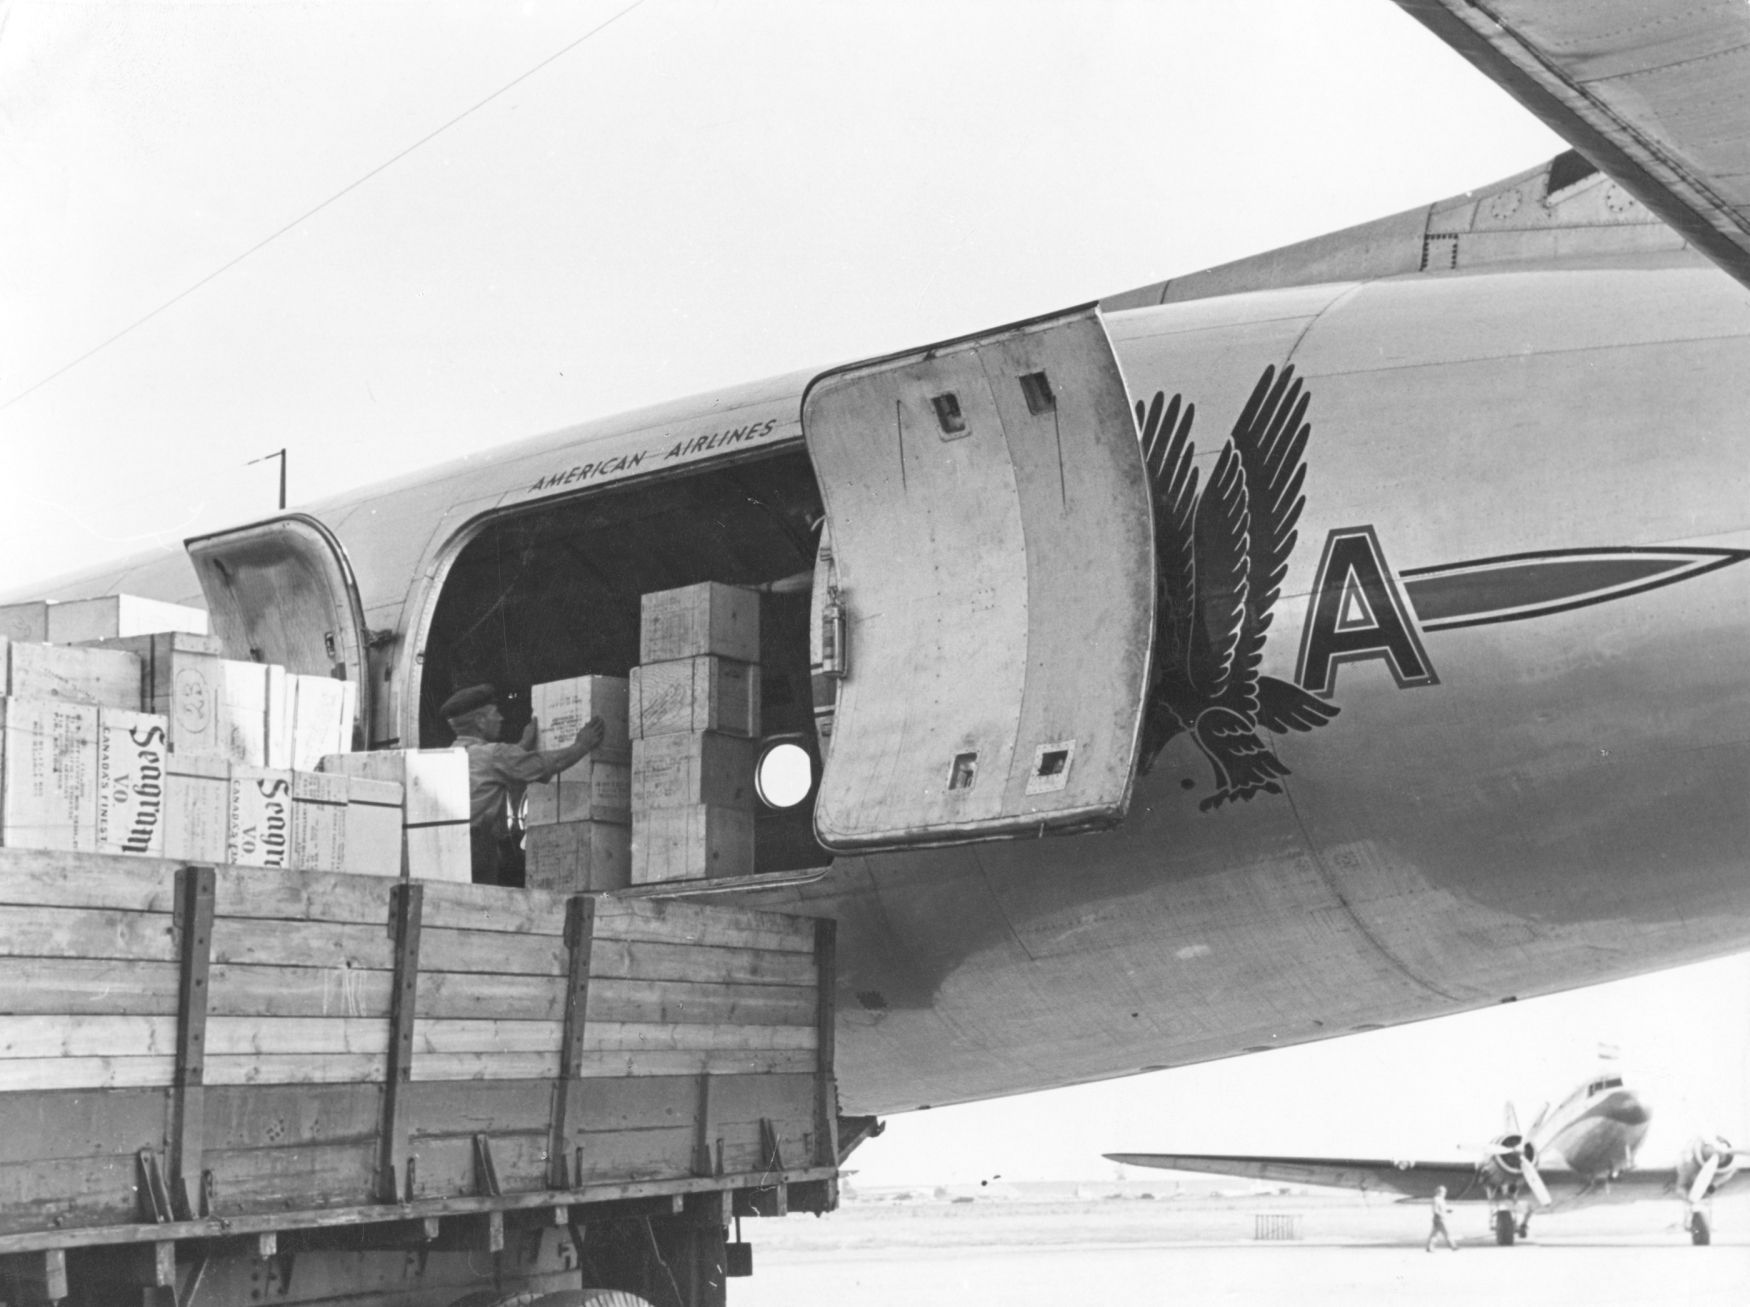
[(383, 235)]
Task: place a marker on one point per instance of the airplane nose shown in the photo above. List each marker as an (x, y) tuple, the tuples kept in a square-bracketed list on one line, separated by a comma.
[(1626, 1109)]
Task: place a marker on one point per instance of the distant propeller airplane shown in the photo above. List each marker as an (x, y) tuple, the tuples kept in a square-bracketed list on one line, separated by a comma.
[(1581, 1154)]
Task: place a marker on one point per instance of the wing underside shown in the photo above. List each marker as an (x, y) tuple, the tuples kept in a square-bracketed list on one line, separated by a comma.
[(1655, 94), (1407, 1179), (1368, 1175)]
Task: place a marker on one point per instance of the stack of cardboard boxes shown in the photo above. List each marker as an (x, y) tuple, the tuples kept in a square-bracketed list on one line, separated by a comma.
[(694, 715), (578, 834), (149, 741)]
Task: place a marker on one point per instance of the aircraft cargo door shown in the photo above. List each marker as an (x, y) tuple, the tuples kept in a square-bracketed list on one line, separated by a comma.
[(992, 576), (282, 591)]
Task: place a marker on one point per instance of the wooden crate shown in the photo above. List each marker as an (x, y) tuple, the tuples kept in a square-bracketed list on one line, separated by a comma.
[(707, 618), (233, 1049), (686, 695)]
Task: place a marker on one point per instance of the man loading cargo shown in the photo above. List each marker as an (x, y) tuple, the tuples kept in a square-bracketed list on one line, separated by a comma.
[(498, 772)]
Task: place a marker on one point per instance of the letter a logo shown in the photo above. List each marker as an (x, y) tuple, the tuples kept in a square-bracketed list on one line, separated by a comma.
[(1358, 613)]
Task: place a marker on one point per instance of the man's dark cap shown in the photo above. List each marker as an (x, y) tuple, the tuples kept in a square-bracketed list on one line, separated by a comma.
[(463, 702)]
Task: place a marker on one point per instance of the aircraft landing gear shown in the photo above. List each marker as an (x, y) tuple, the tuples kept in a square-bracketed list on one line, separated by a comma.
[(1699, 1233), (1505, 1229), (1524, 1226)]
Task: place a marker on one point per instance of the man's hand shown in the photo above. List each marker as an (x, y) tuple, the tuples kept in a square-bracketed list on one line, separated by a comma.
[(531, 733), (594, 731)]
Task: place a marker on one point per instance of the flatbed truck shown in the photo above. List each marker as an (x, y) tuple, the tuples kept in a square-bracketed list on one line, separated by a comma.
[(228, 1085)]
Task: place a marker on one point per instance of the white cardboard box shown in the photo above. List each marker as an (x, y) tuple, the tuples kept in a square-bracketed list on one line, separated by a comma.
[(198, 808), (133, 756), (109, 678), (373, 827), (110, 616), (319, 803), (48, 774), (322, 717), (688, 695), (436, 805), (260, 826), (255, 714), (707, 618)]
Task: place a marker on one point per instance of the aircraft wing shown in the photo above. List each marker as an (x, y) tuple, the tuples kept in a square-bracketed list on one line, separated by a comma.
[(1656, 94), (1369, 1175)]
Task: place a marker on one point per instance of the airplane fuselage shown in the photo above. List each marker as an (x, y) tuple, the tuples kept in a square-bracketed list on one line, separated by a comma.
[(1524, 509), (1598, 1136)]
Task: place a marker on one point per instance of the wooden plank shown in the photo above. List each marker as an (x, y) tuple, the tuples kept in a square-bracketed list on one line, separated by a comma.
[(619, 959), (87, 1036), (638, 1037), (438, 1109), (532, 1066), (440, 1036), (492, 951), (268, 1179), (472, 995), (300, 944), (51, 878), (443, 1036), (451, 906), (86, 933), (447, 1166), (67, 1192), (44, 878), (69, 987), (243, 1117), (295, 1068), (405, 920), (634, 1154), (675, 922), (250, 990), (243, 1037), (46, 1124), (787, 1101), (27, 1073), (281, 895), (692, 1002)]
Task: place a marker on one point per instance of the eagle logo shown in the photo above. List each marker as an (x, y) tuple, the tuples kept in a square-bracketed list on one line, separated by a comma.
[(1221, 558)]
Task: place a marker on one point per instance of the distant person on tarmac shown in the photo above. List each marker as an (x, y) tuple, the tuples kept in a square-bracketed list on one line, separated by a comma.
[(1440, 1212)]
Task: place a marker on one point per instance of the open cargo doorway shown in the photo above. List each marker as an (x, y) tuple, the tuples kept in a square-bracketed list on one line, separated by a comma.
[(553, 590)]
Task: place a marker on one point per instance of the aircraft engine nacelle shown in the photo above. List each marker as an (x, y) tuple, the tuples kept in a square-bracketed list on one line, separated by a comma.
[(1508, 1159), (1706, 1164)]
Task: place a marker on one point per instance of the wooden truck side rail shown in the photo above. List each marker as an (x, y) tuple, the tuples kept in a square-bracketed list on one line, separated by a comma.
[(190, 1052)]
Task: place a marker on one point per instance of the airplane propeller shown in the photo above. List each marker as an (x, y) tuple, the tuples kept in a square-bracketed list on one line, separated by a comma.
[(1514, 1155), (1709, 1157)]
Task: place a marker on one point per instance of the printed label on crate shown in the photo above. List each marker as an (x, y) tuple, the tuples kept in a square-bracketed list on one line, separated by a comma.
[(132, 764), (261, 817)]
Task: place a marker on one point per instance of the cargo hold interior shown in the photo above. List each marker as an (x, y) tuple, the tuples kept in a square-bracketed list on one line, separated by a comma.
[(553, 590)]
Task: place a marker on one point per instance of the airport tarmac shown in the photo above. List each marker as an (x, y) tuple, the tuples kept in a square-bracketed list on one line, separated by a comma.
[(1021, 1252)]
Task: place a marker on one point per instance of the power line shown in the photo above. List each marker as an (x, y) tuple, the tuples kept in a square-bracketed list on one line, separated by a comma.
[(306, 216)]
